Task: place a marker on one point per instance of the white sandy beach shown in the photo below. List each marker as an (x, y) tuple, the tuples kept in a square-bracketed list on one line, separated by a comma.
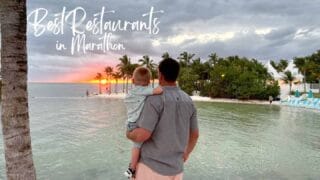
[(198, 99)]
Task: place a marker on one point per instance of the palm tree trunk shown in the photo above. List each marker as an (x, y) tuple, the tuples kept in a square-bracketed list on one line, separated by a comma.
[(116, 87), (304, 81), (153, 82), (99, 86), (110, 86), (319, 85), (15, 114), (123, 85), (127, 85)]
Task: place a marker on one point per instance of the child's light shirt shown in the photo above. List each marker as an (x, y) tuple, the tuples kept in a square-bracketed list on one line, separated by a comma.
[(134, 101)]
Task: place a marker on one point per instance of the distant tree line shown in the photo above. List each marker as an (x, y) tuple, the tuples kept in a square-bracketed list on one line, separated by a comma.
[(229, 77), (217, 77)]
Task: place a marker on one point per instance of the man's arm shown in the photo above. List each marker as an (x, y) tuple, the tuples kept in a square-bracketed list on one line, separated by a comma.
[(193, 138), (194, 134), (139, 135), (147, 121)]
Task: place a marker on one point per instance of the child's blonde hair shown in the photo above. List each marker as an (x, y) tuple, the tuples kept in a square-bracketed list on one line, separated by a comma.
[(141, 76)]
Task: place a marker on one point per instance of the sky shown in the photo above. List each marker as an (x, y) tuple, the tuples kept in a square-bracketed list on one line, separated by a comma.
[(260, 29)]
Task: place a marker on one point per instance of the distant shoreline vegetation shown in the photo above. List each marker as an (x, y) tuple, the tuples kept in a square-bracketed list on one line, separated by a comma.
[(229, 77), (217, 77)]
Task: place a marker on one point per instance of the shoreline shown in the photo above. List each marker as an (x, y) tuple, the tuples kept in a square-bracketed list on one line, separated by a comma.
[(199, 99)]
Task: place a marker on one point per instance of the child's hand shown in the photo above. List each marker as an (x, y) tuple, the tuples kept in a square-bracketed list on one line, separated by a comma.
[(157, 90)]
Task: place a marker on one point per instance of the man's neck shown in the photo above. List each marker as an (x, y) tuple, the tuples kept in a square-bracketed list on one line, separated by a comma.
[(168, 84)]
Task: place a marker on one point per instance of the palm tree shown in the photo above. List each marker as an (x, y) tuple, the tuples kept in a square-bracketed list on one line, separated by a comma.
[(185, 59), (15, 114), (199, 69), (282, 65), (150, 65), (274, 65), (108, 70), (116, 76), (165, 55), (123, 67), (147, 62), (213, 59), (303, 64), (288, 78), (318, 77), (99, 77), (123, 75)]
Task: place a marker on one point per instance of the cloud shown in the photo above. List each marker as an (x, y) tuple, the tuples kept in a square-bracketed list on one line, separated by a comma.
[(260, 29), (281, 33)]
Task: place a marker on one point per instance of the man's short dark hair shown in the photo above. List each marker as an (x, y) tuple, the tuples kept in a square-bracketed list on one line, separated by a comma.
[(169, 68)]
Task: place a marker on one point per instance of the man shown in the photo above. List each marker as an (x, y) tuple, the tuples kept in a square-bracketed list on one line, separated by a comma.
[(168, 128)]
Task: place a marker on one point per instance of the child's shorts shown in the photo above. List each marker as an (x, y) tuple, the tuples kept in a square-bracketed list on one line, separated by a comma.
[(131, 126), (137, 145)]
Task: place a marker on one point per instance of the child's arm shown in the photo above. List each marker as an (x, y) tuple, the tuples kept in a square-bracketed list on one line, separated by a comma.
[(157, 90), (148, 91)]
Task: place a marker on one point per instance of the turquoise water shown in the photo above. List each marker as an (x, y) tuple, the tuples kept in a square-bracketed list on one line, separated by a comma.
[(77, 138)]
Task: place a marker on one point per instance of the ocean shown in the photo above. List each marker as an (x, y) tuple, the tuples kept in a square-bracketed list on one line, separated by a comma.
[(75, 137)]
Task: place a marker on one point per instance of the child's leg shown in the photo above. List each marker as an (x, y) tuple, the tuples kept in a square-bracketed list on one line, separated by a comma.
[(135, 155)]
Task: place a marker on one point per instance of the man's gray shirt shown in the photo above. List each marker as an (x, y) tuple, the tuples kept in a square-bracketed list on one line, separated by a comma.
[(170, 117)]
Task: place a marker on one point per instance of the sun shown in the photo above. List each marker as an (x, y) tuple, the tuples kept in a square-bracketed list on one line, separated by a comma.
[(103, 81), (96, 81)]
